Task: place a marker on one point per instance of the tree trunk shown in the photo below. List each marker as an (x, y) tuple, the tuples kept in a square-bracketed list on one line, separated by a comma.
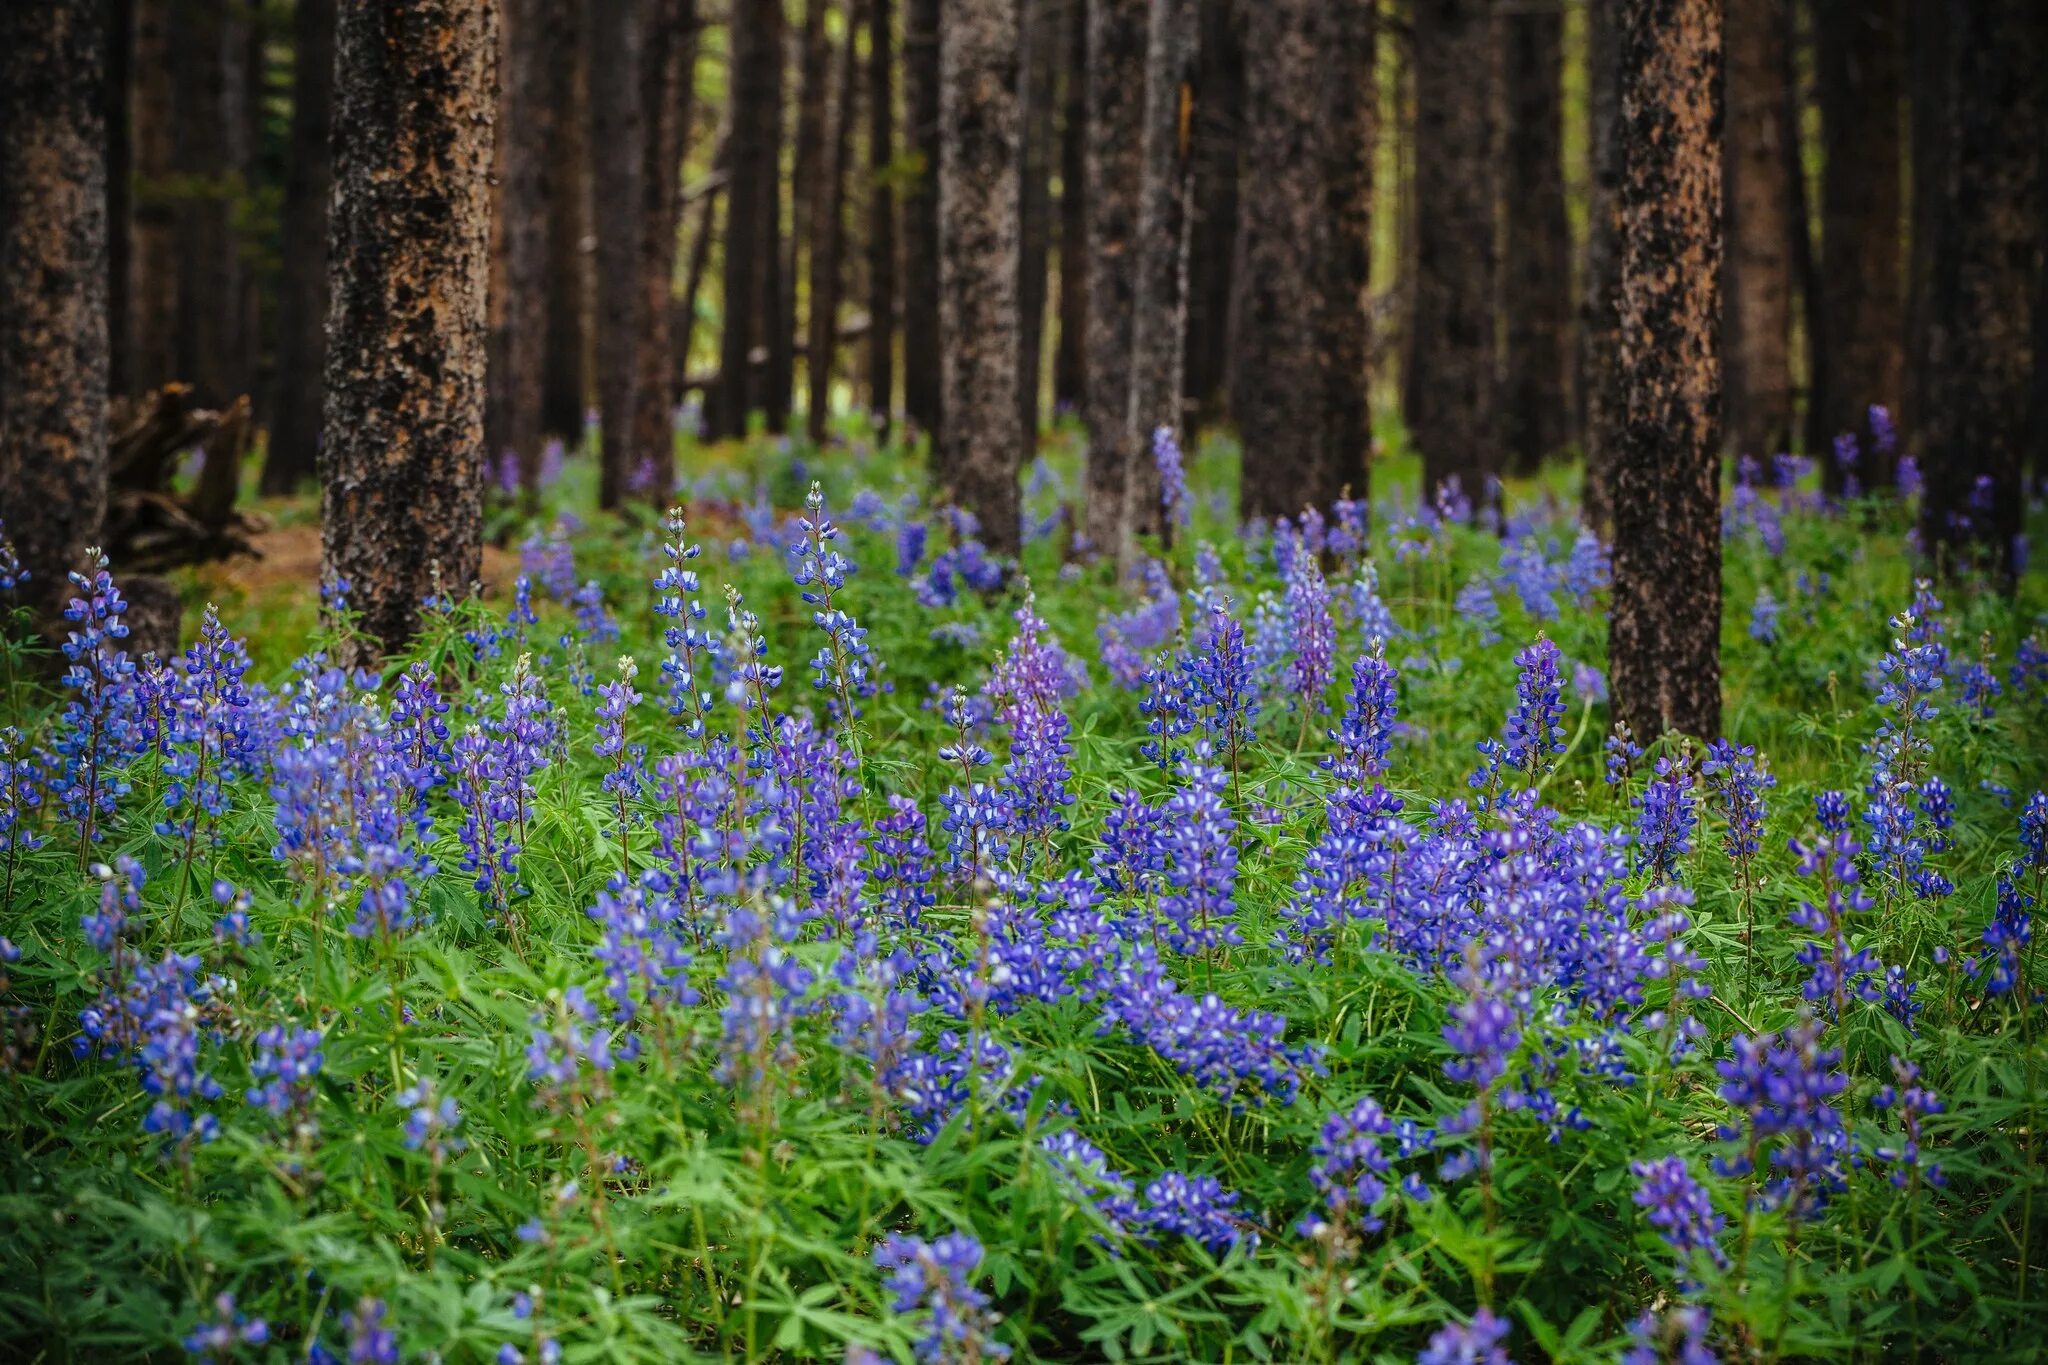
[(1981, 365), (153, 269), (209, 269), (1040, 41), (1927, 72), (1070, 354), (120, 41), (616, 133), (778, 317), (1298, 379), (565, 383), (1600, 400), (923, 384), (668, 63), (1218, 128), (293, 450), (533, 31), (1454, 417), (1536, 263), (1665, 630), (402, 466), (700, 258), (751, 223), (1116, 131), (981, 444), (1857, 51), (807, 166), (881, 245), (828, 233), (53, 282), (1757, 328)]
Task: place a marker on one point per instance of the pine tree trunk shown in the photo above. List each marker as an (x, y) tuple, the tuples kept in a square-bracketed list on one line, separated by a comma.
[(525, 132), (1070, 351), (53, 281), (1536, 269), (565, 381), (668, 62), (981, 444), (1454, 417), (1980, 368), (778, 308), (1040, 42), (882, 200), (1927, 74), (752, 224), (807, 166), (402, 464), (616, 133), (1116, 130), (1664, 634), (1857, 51), (1212, 247), (700, 259), (120, 50), (923, 384), (153, 269), (1757, 328), (1599, 390), (209, 279), (1298, 380), (828, 231), (293, 451)]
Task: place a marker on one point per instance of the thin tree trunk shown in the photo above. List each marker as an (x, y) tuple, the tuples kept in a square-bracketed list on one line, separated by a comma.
[(923, 384), (751, 223), (1757, 328), (1665, 630), (120, 40), (807, 165), (53, 282), (1986, 235), (1040, 41), (1599, 389), (778, 307), (402, 466), (700, 258), (1927, 74), (526, 129), (668, 63), (616, 132), (202, 164), (565, 383), (881, 244), (1116, 131), (293, 453), (981, 444), (153, 291), (1070, 353), (1856, 46), (1455, 414), (1218, 128), (1806, 285), (828, 232), (1536, 269)]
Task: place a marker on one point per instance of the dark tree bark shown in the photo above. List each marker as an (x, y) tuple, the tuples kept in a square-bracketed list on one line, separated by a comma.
[(120, 40), (668, 61), (207, 178), (294, 444), (616, 132), (1454, 412), (1927, 74), (685, 326), (1298, 378), (1664, 632), (1858, 57), (519, 244), (53, 288), (153, 269), (1987, 231), (1217, 129), (881, 244), (1536, 264), (981, 444), (1600, 405), (807, 164), (828, 232), (778, 316), (402, 465), (752, 222), (1757, 326), (1040, 43), (565, 382), (1070, 352), (923, 384), (1116, 131)]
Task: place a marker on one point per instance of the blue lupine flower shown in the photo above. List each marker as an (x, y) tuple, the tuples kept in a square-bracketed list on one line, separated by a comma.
[(221, 1338), (1912, 1102), (935, 1281), (1477, 1344), (1785, 1085), (1678, 1207), (287, 1062)]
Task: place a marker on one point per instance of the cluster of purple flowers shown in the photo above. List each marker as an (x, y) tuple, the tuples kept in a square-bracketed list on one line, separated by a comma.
[(935, 1281)]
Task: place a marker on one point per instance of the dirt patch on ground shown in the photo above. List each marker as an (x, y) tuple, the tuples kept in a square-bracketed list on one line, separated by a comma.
[(287, 560)]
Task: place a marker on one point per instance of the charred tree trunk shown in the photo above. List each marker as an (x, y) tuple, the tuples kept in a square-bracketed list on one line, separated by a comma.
[(293, 452), (1757, 325), (565, 382), (1665, 628), (923, 384), (752, 223), (53, 282), (616, 133), (1298, 381), (1116, 131), (828, 233), (1040, 41), (1212, 245), (1600, 405), (1536, 264), (981, 444), (402, 465), (1070, 352), (153, 268), (525, 134), (881, 245), (1857, 51), (1454, 416), (668, 58), (1986, 233), (120, 49)]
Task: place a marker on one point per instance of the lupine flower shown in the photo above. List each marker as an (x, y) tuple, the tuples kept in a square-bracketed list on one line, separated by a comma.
[(1679, 1337), (1785, 1085), (1196, 1207), (567, 1047), (1475, 603), (1238, 1055), (935, 1281), (12, 574), (370, 1342), (1476, 1344), (844, 666), (1912, 1102), (430, 1121), (1738, 779), (643, 959), (1840, 970), (1311, 630), (287, 1062), (1173, 481), (1763, 617), (1367, 734), (1665, 826), (1678, 1207), (100, 728), (1199, 855), (222, 1337), (1349, 1169)]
